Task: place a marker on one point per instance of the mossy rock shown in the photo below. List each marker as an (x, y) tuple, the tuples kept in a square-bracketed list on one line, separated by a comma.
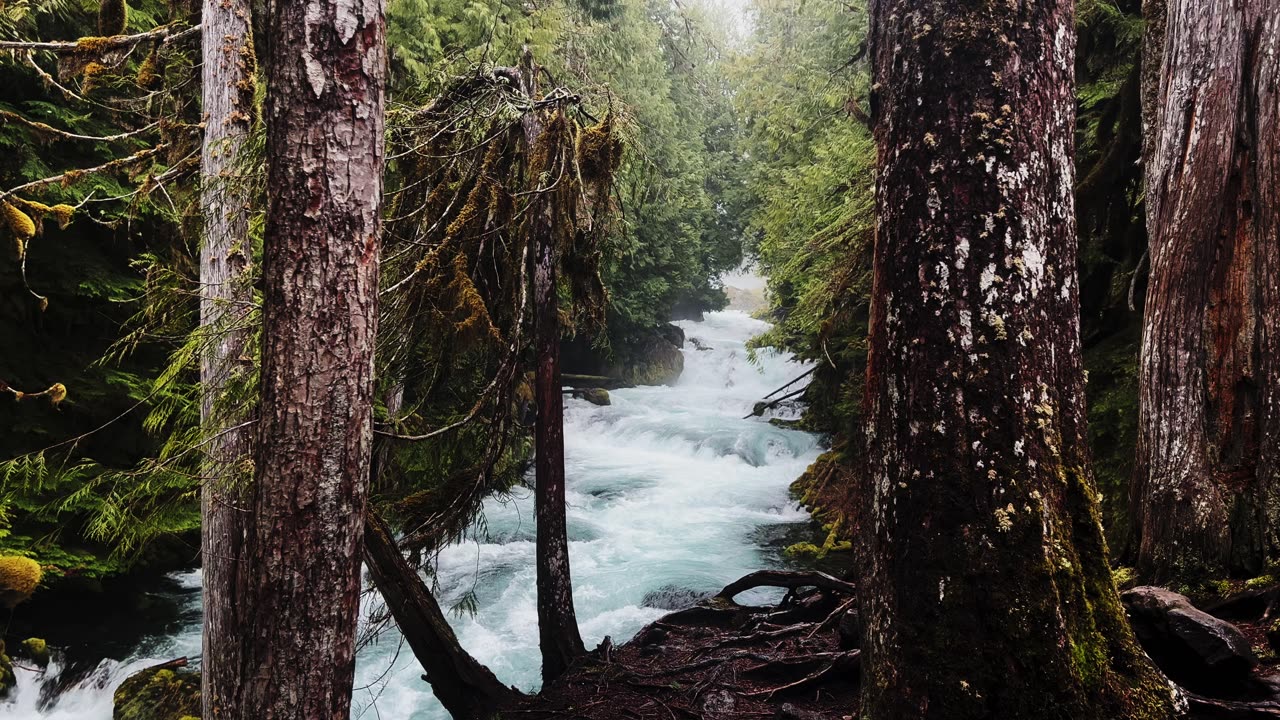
[(36, 650), (596, 396), (158, 694), (7, 678)]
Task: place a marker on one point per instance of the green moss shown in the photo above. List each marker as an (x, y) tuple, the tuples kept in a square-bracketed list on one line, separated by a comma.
[(158, 694), (7, 678), (1260, 582), (19, 578), (37, 650)]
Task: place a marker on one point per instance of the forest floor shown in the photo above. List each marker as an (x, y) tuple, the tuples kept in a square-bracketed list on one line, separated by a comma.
[(720, 660)]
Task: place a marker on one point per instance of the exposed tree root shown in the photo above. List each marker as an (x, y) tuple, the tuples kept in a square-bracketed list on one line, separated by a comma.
[(720, 660), (785, 579)]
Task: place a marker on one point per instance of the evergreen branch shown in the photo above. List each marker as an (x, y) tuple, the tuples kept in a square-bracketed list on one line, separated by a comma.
[(73, 175), (96, 45), (50, 130)]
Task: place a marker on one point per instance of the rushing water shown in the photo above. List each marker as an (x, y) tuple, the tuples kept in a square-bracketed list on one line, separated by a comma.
[(671, 494)]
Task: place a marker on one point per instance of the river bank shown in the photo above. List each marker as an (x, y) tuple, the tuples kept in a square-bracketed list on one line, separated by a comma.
[(672, 494)]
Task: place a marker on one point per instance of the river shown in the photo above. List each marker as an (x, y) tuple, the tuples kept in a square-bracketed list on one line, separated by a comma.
[(671, 494)]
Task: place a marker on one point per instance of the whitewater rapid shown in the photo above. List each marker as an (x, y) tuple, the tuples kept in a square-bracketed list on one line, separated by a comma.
[(671, 494)]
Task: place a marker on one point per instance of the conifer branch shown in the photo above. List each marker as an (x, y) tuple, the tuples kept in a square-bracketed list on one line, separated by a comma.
[(71, 176), (96, 45), (50, 130)]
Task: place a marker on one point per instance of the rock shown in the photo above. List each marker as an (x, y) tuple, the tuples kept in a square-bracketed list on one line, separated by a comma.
[(671, 597), (656, 361), (158, 693), (36, 650), (699, 345), (1195, 649), (673, 334), (595, 396)]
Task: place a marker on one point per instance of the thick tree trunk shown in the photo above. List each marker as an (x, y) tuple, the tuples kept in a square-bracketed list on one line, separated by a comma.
[(325, 70), (1204, 497), (989, 593), (226, 294), (467, 689), (558, 635)]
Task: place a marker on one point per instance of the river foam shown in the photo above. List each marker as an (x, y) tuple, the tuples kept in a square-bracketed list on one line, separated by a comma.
[(667, 489)]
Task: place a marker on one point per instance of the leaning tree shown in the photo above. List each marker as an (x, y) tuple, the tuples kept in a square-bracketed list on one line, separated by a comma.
[(988, 591), (1206, 493)]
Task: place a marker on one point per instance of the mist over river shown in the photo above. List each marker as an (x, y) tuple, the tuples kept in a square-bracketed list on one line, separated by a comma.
[(671, 494)]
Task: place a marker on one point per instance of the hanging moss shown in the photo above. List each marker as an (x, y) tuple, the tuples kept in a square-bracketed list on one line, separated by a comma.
[(20, 227), (113, 15)]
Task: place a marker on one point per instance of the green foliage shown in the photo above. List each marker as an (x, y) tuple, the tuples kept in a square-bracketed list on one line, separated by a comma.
[(72, 494), (811, 179)]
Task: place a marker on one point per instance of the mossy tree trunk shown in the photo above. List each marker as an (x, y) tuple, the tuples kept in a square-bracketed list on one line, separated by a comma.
[(1206, 494), (225, 298), (558, 636), (325, 73), (988, 591)]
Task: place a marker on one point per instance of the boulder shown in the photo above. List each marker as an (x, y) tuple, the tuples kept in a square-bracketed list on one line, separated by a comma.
[(595, 396), (656, 362), (673, 334), (165, 692), (1195, 649), (36, 650)]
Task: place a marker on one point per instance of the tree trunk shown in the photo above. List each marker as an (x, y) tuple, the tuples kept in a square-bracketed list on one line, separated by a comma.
[(325, 70), (226, 294), (467, 689), (558, 635), (1205, 497), (988, 591)]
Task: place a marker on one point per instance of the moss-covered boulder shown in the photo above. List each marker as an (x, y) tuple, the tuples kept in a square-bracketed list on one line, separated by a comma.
[(161, 693), (36, 650), (595, 396), (654, 361)]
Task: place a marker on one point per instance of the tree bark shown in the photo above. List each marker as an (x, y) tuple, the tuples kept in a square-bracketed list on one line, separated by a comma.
[(467, 689), (558, 636), (988, 591), (226, 294), (1204, 501), (325, 70)]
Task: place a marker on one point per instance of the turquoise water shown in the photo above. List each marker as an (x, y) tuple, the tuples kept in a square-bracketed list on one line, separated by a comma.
[(671, 493)]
